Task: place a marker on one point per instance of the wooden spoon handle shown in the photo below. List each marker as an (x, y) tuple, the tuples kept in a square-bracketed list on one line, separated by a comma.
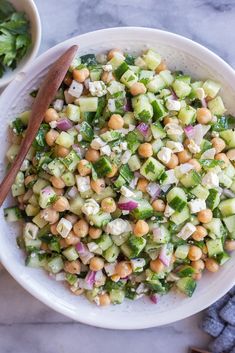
[(45, 95)]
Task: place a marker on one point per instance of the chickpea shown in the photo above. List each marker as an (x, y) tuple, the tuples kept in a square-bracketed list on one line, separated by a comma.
[(108, 205), (51, 136), (53, 229), (84, 167), (50, 215), (142, 184), (96, 263), (211, 265), (174, 161), (113, 171), (231, 154), (186, 142), (197, 276), (159, 205), (145, 150), (57, 182), (61, 204), (137, 88), (98, 185), (116, 122), (161, 67), (200, 233), (61, 151), (81, 75), (168, 120), (194, 253), (68, 79), (156, 266), (94, 233), (141, 228), (205, 216), (107, 77), (198, 265), (114, 52), (51, 115), (103, 130), (92, 155), (27, 195), (123, 269), (184, 156), (224, 158), (218, 144), (63, 243), (81, 228), (104, 299), (72, 239), (230, 245), (59, 192), (196, 165), (73, 267), (203, 115), (205, 251), (72, 218), (29, 179), (115, 278)]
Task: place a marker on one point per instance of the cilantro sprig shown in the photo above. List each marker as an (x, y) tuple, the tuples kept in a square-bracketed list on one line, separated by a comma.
[(15, 38)]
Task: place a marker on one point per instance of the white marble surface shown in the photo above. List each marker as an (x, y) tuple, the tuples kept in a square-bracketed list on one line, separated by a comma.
[(28, 326)]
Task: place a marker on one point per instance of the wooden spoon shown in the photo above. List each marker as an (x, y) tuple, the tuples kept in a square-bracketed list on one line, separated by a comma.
[(45, 95)]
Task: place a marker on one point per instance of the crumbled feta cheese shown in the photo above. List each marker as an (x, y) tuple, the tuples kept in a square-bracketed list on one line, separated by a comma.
[(125, 157), (107, 67), (126, 192), (210, 180), (58, 105), (97, 88), (200, 93), (106, 150), (187, 230), (174, 130), (75, 89), (140, 62), (118, 226), (123, 145), (90, 207), (83, 183), (53, 124), (110, 269), (185, 167), (111, 105), (168, 211), (24, 165), (141, 288), (131, 127), (175, 146), (197, 205), (68, 97), (208, 154), (79, 137), (183, 104), (138, 264), (30, 231), (101, 58), (193, 147), (92, 246), (164, 154), (86, 83), (125, 212), (97, 143), (64, 227), (172, 104)]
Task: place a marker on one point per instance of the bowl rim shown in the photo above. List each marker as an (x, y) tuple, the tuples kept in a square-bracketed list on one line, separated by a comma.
[(92, 320), (34, 49)]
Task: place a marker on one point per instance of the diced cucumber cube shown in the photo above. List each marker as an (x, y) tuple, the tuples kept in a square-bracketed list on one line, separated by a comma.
[(229, 137), (181, 88), (152, 59), (88, 104), (12, 152), (152, 169), (230, 223), (180, 217), (102, 167), (213, 199), (216, 106), (120, 239), (129, 78), (39, 221), (211, 88), (191, 179), (227, 207), (167, 77), (17, 189), (73, 112), (64, 139), (156, 84), (214, 247), (70, 253), (86, 131), (68, 179), (187, 115), (200, 192), (157, 131), (100, 219), (12, 214), (186, 271), (76, 205), (143, 210), (215, 226), (71, 161), (181, 251), (104, 242), (143, 109), (55, 265), (186, 285), (111, 253), (121, 70), (46, 197), (117, 296), (134, 163), (34, 260)]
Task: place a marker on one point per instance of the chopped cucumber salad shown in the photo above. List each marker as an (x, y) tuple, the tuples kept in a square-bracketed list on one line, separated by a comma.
[(129, 187)]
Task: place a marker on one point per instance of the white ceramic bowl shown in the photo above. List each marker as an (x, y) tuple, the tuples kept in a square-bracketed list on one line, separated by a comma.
[(180, 53), (29, 7)]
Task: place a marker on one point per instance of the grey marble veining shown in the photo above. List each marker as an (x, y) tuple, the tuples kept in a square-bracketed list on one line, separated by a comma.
[(28, 326)]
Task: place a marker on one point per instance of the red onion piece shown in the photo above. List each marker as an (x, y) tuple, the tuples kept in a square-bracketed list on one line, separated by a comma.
[(228, 193), (78, 127), (189, 131), (84, 285), (154, 298), (165, 256), (204, 103), (64, 124), (128, 106), (72, 193), (154, 190), (174, 96), (158, 235), (81, 248), (133, 182), (80, 151), (143, 128), (128, 205), (90, 277)]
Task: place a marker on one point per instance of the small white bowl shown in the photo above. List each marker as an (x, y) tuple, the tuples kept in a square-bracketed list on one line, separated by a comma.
[(181, 54), (30, 9)]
